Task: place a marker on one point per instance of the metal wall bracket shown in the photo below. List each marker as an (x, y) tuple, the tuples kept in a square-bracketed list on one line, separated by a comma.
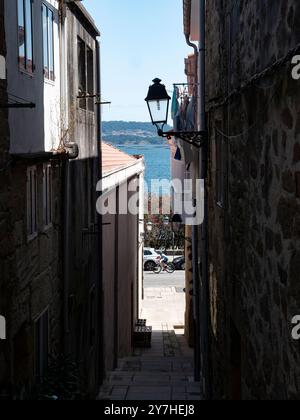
[(194, 138)]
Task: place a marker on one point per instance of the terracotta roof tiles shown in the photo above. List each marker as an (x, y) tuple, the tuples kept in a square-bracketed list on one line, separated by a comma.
[(114, 159)]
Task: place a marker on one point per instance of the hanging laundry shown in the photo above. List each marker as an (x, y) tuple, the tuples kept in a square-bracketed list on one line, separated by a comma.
[(178, 154), (175, 104)]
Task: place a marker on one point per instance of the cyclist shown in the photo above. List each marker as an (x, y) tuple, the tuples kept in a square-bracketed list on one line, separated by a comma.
[(163, 262)]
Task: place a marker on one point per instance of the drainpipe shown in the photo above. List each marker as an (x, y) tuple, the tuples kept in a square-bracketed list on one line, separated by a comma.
[(195, 235), (195, 239), (65, 205), (204, 294), (100, 224)]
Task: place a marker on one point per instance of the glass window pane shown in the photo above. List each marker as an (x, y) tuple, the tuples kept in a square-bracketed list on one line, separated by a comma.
[(28, 33), (21, 33), (45, 42), (81, 72), (51, 45), (90, 78)]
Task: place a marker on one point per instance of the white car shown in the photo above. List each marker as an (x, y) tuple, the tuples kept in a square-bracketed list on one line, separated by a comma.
[(151, 259)]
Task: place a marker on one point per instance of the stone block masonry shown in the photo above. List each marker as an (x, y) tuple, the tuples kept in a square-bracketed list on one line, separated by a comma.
[(254, 232)]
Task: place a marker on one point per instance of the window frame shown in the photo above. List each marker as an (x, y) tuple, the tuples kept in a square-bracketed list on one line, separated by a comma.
[(32, 203), (49, 72), (86, 104), (90, 77), (47, 196), (24, 67)]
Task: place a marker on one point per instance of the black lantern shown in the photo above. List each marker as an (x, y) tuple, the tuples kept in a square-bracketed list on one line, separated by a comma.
[(149, 227), (158, 102), (166, 220)]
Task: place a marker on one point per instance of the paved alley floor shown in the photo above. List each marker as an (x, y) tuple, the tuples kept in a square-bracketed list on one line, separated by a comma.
[(165, 371)]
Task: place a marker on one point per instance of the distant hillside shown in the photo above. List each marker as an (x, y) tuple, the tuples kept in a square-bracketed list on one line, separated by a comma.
[(122, 132)]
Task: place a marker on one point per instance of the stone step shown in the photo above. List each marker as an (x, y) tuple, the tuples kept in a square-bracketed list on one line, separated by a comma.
[(157, 358), (148, 381), (148, 374)]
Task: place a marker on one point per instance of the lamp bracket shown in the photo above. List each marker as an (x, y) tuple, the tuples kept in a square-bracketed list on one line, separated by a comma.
[(194, 138)]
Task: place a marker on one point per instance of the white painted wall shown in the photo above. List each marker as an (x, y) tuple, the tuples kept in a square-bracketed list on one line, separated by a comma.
[(32, 130), (52, 102)]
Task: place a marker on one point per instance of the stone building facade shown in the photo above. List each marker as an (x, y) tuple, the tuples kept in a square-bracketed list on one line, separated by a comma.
[(82, 265), (254, 202)]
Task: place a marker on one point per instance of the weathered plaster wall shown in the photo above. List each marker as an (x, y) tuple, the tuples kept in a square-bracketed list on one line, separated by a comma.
[(82, 268), (120, 283)]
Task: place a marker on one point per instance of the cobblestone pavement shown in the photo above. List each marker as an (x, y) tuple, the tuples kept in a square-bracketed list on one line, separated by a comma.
[(165, 371)]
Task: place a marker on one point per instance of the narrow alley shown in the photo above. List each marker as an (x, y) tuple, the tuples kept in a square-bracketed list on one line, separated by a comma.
[(163, 372), (149, 201)]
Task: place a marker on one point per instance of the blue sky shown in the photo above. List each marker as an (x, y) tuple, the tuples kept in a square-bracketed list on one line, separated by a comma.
[(140, 40)]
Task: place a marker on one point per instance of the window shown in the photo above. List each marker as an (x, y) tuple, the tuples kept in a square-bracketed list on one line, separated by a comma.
[(81, 73), (47, 195), (31, 202), (85, 75), (41, 345), (25, 38), (90, 77), (48, 43)]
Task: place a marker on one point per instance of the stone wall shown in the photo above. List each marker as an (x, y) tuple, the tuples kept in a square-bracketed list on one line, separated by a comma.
[(30, 279), (254, 229)]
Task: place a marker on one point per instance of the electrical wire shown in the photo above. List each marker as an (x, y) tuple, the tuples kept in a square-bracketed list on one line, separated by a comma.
[(243, 133), (272, 69)]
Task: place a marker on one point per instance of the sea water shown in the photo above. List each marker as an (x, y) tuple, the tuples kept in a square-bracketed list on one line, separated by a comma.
[(157, 161)]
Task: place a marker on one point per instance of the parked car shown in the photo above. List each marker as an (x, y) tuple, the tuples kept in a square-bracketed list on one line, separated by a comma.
[(151, 259), (179, 263)]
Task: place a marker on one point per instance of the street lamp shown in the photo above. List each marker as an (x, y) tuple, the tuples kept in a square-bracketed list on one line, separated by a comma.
[(166, 220), (149, 227), (158, 102)]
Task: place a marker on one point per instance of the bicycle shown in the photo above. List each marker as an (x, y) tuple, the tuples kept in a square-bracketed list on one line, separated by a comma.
[(169, 268)]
